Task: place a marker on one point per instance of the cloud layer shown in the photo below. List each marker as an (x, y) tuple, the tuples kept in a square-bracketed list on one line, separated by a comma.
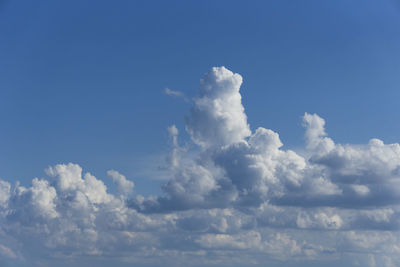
[(235, 198)]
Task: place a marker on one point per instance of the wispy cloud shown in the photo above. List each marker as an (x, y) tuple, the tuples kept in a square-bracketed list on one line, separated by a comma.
[(174, 93)]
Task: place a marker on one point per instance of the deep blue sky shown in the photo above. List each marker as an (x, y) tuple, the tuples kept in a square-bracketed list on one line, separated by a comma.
[(83, 81)]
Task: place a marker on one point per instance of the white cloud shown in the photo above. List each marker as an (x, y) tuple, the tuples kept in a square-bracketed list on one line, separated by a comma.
[(175, 93), (4, 192), (360, 189), (249, 240), (217, 117), (234, 196), (124, 186), (315, 134)]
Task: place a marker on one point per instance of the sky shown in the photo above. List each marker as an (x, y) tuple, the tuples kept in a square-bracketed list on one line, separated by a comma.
[(199, 133)]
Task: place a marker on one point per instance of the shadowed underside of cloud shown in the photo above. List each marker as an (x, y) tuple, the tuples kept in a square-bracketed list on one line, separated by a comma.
[(235, 198)]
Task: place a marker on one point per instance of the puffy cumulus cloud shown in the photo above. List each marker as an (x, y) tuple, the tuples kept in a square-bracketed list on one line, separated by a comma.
[(71, 213), (237, 167), (124, 186), (336, 187), (38, 201), (217, 117), (315, 134), (235, 196)]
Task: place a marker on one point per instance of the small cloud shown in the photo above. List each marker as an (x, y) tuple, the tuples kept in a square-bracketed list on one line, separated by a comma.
[(5, 251), (174, 93), (124, 186)]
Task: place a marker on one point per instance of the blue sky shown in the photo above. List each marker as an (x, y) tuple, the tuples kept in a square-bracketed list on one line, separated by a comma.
[(84, 82)]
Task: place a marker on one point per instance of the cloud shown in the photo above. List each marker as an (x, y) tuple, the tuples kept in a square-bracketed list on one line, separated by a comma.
[(168, 91), (174, 93), (4, 193), (315, 134), (124, 186), (235, 196), (5, 251), (217, 117)]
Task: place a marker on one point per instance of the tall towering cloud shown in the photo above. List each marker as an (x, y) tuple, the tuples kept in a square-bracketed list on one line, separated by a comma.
[(217, 117), (235, 197)]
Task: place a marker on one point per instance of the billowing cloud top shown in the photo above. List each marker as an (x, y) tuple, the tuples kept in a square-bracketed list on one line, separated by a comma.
[(235, 198), (217, 117)]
